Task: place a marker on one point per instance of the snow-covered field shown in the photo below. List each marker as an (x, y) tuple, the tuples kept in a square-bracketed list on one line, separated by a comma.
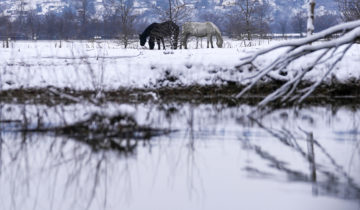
[(105, 65), (182, 170)]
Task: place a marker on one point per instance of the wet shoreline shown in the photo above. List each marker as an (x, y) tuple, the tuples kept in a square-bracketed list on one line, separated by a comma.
[(325, 94)]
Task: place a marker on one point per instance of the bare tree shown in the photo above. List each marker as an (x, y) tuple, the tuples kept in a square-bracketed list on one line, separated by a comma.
[(283, 25), (177, 11), (84, 8), (127, 18), (69, 24), (263, 17), (235, 26), (5, 30), (298, 21), (249, 17), (32, 24), (21, 11), (247, 9), (325, 20), (19, 22), (111, 18), (50, 25), (349, 9), (121, 13)]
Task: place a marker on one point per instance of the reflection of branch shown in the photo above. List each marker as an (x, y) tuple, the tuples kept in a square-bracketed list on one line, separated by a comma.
[(284, 137), (339, 168), (96, 183), (280, 165), (350, 189)]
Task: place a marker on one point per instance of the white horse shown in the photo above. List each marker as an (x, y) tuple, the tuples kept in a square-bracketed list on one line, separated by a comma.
[(198, 29)]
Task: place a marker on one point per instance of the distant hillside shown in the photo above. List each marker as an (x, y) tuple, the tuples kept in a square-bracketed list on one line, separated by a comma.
[(202, 9), (10, 7)]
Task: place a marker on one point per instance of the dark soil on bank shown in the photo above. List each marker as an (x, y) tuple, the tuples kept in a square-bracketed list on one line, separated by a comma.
[(339, 94)]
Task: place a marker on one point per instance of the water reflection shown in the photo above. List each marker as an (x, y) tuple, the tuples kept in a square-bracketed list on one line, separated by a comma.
[(178, 156), (326, 176)]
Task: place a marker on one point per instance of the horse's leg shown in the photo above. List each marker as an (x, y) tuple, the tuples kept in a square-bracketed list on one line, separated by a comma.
[(208, 40), (172, 41), (185, 40), (162, 40), (151, 42), (158, 43), (175, 44), (182, 41), (211, 41)]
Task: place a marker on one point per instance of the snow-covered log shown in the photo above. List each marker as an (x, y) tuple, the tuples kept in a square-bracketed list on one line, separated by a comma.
[(331, 51)]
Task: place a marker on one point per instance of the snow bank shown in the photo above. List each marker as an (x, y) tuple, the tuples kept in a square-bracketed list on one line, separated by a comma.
[(85, 65)]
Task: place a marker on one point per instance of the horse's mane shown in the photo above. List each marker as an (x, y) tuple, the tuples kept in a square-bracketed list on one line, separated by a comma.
[(147, 31), (218, 33)]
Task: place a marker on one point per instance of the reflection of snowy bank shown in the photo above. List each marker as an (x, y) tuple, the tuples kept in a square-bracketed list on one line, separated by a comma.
[(105, 66), (174, 116)]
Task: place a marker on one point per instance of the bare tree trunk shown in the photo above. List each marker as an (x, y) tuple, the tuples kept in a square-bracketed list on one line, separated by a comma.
[(170, 11), (127, 21), (311, 17)]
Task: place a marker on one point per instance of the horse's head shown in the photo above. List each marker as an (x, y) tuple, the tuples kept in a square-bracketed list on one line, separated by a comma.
[(219, 43), (142, 39)]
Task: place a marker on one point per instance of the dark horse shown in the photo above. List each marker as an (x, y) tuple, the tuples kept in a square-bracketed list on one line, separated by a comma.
[(157, 31)]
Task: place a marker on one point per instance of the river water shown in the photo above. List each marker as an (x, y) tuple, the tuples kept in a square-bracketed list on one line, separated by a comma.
[(212, 156)]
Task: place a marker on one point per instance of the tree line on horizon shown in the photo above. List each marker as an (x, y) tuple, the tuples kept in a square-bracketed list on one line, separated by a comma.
[(244, 19)]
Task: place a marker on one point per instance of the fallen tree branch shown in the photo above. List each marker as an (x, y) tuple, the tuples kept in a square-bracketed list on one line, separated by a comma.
[(296, 49)]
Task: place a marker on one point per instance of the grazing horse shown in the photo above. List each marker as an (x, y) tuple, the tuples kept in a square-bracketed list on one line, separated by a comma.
[(198, 29), (157, 31)]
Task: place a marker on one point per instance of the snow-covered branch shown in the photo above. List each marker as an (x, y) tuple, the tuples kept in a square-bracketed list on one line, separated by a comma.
[(331, 52)]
